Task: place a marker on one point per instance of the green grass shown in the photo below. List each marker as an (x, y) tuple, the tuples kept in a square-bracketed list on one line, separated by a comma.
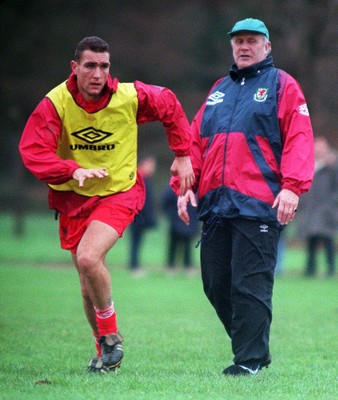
[(175, 346)]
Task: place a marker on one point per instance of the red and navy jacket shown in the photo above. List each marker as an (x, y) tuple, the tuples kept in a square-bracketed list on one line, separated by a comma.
[(251, 138)]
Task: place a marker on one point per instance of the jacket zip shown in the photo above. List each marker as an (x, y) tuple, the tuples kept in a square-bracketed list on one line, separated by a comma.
[(226, 140)]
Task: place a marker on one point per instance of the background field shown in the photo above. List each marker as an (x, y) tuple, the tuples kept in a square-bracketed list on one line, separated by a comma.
[(175, 346)]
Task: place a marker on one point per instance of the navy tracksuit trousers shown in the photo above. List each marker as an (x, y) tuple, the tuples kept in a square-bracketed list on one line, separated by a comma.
[(238, 258)]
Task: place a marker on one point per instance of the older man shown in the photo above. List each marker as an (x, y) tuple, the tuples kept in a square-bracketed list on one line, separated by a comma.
[(253, 157)]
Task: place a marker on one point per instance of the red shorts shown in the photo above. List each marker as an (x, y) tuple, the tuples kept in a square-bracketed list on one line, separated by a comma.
[(71, 229), (117, 211)]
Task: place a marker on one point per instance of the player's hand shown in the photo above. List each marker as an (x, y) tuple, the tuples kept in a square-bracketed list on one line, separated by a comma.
[(287, 203), (182, 168), (81, 174), (182, 204)]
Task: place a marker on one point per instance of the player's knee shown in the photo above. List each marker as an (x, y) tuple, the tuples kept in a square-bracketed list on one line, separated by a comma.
[(86, 262)]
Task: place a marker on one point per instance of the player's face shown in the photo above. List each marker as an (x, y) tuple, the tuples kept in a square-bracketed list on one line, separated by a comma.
[(249, 49), (92, 73)]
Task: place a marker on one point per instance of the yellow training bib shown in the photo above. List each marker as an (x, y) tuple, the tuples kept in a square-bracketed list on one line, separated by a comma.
[(106, 138)]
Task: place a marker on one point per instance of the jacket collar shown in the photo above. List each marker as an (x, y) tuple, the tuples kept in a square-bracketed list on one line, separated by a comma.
[(251, 71)]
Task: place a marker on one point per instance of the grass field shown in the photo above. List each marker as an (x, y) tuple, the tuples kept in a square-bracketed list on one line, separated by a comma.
[(174, 345)]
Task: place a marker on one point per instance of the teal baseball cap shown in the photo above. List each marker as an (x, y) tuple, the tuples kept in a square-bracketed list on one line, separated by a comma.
[(250, 25)]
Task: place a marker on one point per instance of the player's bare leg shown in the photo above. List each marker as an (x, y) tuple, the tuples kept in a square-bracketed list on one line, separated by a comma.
[(88, 306), (96, 289)]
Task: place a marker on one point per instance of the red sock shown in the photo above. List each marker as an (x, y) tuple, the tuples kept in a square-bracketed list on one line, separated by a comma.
[(106, 321), (97, 344)]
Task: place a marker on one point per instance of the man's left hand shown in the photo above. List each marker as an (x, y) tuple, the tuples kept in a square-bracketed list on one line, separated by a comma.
[(287, 203)]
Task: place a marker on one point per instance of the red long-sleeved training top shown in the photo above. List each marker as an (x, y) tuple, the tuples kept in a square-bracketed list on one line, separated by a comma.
[(39, 141)]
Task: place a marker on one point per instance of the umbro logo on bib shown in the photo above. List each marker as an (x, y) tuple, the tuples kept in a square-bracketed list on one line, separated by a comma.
[(91, 135)]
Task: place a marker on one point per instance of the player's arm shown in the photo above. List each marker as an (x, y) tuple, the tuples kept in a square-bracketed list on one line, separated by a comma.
[(38, 146), (161, 104)]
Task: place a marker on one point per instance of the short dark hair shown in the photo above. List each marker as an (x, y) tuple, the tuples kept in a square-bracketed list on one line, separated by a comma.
[(92, 43)]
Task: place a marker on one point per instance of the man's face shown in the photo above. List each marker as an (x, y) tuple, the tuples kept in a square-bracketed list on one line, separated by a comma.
[(92, 73), (249, 49)]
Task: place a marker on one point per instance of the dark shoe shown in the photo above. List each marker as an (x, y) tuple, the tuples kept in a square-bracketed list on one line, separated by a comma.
[(236, 370), (112, 350), (96, 365), (247, 368)]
